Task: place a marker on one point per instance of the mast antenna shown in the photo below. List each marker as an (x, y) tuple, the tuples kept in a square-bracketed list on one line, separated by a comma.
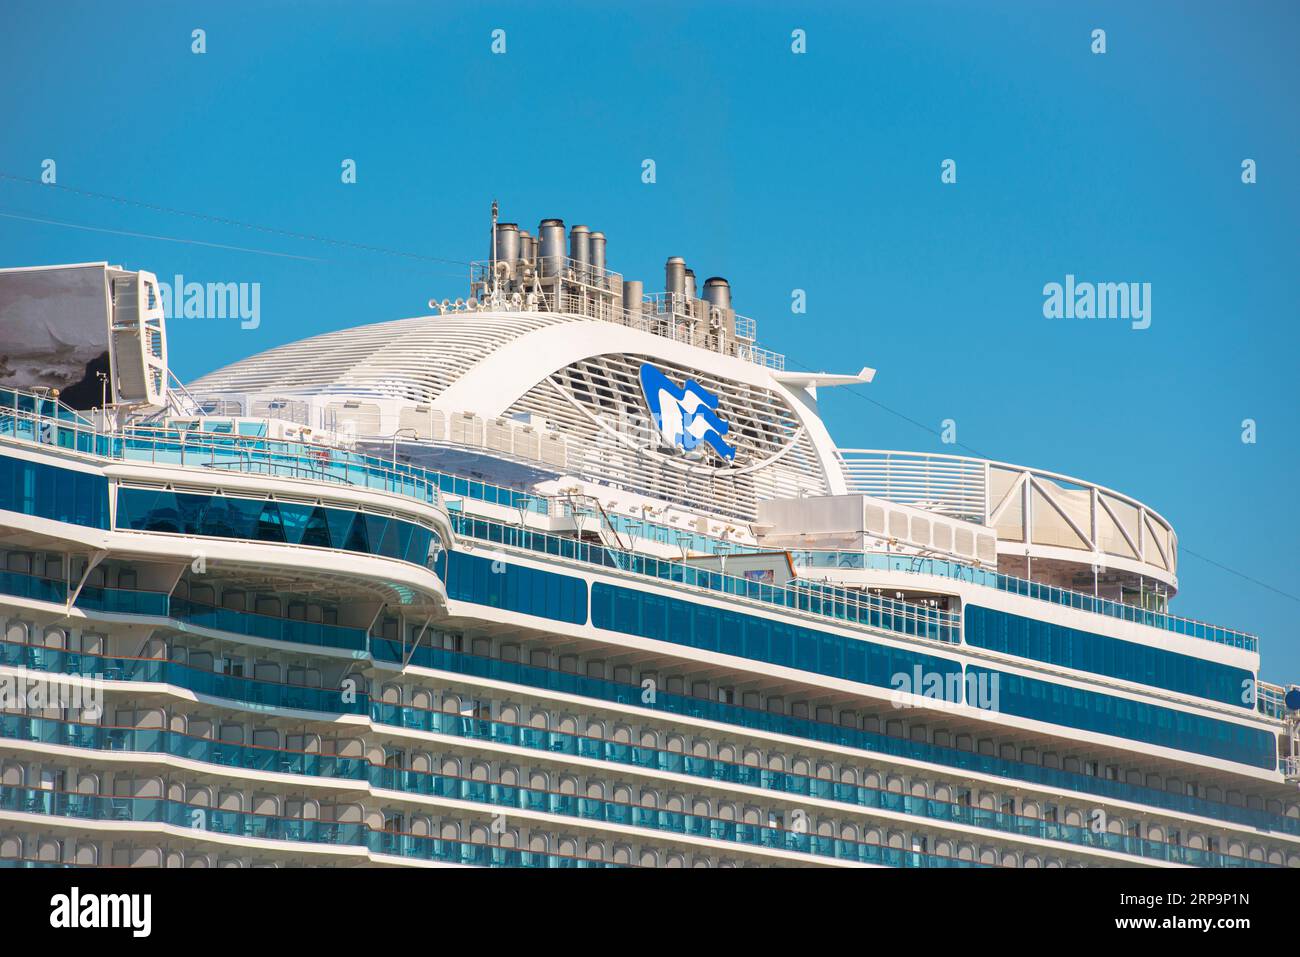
[(493, 264)]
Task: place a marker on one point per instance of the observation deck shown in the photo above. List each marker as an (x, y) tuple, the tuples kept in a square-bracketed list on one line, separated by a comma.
[(1054, 529)]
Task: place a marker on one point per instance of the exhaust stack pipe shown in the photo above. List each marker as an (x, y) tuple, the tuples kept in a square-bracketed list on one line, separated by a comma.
[(717, 292), (551, 236), (633, 293), (675, 276), (580, 251), (597, 250), (507, 243)]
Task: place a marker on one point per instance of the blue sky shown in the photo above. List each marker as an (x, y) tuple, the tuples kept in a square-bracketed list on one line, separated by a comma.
[(818, 171)]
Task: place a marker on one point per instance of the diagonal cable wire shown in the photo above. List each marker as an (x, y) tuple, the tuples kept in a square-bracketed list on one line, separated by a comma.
[(921, 425), (226, 221), (169, 239)]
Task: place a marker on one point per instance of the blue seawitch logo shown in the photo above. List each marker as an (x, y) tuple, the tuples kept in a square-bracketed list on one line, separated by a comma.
[(684, 416)]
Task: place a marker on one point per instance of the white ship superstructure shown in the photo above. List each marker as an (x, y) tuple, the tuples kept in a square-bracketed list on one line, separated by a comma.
[(567, 575)]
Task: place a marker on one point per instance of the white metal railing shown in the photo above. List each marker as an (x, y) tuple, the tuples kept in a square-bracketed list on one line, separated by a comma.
[(760, 357), (952, 485), (1270, 699), (582, 289), (810, 598), (957, 477), (815, 559), (547, 269), (47, 422)]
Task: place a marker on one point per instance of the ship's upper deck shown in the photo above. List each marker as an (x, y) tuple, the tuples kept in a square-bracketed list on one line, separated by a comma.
[(558, 381), (537, 377)]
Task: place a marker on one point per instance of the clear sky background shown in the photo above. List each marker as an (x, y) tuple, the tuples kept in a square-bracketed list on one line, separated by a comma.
[(779, 171)]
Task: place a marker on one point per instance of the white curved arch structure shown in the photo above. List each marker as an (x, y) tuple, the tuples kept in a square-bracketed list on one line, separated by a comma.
[(423, 375), (1043, 515), (561, 390)]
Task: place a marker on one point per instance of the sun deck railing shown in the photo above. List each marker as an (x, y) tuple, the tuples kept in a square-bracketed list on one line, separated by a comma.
[(918, 565)]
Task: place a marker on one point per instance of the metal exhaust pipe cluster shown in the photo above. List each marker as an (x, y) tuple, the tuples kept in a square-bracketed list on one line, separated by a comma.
[(580, 256)]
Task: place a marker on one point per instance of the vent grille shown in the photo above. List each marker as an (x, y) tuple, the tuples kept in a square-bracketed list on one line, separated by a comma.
[(411, 359), (598, 405)]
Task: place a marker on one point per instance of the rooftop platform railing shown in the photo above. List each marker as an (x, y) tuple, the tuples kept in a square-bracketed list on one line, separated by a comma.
[(49, 423), (282, 459), (581, 289), (1029, 506), (943, 568)]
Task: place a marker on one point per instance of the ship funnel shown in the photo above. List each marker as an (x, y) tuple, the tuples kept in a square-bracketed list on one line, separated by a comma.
[(597, 244), (551, 237), (507, 243), (633, 293), (690, 284), (675, 276), (580, 250), (717, 292)]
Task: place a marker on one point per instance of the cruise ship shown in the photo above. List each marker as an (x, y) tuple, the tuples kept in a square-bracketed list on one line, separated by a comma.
[(568, 575)]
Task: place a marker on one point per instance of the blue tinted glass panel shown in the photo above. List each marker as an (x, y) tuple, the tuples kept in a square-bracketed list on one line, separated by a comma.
[(529, 591), (1102, 655), (633, 612), (47, 491), (1125, 718), (222, 516)]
